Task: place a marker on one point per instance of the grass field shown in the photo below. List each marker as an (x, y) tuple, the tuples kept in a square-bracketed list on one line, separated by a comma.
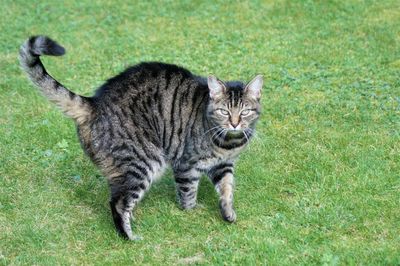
[(319, 185)]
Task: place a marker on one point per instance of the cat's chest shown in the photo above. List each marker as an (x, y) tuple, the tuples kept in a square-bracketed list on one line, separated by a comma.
[(217, 156)]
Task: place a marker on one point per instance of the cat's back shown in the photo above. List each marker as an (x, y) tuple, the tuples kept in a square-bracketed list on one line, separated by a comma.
[(145, 79), (161, 104)]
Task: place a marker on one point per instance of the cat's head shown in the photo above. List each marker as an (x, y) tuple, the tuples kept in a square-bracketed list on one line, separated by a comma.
[(233, 106)]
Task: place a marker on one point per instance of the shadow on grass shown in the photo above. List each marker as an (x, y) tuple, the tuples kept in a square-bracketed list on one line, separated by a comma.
[(90, 189)]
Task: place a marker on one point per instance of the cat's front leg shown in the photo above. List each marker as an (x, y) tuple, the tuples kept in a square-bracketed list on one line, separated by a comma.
[(187, 182), (222, 177)]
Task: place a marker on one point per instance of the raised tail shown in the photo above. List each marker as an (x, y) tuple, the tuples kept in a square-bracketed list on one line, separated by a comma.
[(75, 106)]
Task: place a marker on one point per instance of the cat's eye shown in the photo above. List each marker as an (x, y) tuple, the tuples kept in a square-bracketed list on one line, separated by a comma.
[(245, 112), (223, 112)]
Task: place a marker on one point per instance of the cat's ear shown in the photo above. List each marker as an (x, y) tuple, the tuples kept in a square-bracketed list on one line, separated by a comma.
[(253, 89), (216, 87)]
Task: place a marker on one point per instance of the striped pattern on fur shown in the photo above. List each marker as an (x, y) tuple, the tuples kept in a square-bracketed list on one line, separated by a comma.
[(150, 116)]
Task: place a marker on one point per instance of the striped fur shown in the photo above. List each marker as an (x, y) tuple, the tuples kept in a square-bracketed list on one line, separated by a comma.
[(73, 105), (150, 116)]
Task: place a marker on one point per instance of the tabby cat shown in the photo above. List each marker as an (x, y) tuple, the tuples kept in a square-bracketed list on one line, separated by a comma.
[(150, 116)]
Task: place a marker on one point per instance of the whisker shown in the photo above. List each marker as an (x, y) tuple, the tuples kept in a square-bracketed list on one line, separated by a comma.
[(257, 138), (217, 133), (224, 135), (226, 132), (220, 133), (245, 135), (210, 130)]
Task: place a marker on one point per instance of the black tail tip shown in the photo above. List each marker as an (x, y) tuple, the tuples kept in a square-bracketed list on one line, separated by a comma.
[(43, 45)]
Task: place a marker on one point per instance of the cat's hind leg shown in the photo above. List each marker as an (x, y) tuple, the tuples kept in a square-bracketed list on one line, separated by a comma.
[(128, 188)]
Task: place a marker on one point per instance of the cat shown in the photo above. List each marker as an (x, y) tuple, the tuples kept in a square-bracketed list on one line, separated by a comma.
[(152, 115)]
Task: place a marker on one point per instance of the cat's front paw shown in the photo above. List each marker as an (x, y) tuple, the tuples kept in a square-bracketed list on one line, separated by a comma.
[(229, 216), (227, 212)]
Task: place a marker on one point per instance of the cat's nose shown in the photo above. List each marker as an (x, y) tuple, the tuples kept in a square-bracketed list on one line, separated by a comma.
[(235, 121), (235, 125)]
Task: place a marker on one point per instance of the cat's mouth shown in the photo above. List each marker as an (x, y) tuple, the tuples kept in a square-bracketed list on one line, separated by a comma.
[(235, 133)]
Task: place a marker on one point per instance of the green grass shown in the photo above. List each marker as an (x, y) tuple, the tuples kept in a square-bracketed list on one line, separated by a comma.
[(319, 185)]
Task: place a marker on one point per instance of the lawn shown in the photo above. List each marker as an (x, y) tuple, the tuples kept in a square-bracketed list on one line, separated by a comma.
[(320, 184)]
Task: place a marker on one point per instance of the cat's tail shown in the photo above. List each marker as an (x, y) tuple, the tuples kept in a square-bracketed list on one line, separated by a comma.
[(75, 106)]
